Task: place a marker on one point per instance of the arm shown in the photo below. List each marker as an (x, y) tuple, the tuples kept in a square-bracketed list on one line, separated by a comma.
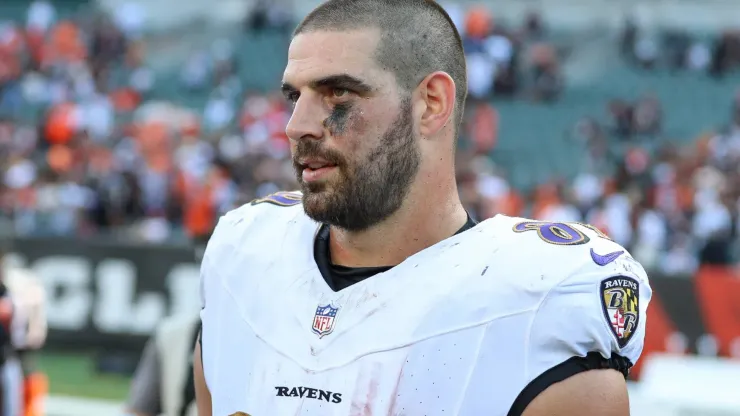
[(144, 394), (202, 394), (595, 392), (585, 336)]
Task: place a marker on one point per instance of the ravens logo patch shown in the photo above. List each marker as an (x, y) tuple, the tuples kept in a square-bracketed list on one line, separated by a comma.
[(620, 301)]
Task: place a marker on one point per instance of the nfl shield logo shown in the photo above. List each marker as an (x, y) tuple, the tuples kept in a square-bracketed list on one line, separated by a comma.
[(323, 320)]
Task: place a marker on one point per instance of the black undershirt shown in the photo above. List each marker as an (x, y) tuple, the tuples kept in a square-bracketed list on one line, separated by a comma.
[(342, 277)]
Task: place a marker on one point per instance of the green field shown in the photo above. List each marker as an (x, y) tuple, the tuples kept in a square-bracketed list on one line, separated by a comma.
[(74, 375)]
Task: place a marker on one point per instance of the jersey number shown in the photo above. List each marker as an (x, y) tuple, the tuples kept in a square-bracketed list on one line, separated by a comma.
[(282, 199), (559, 233)]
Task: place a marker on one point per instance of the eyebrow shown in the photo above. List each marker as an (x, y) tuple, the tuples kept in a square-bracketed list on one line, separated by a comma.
[(335, 81)]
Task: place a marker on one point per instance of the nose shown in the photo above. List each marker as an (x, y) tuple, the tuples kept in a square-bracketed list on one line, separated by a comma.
[(306, 122)]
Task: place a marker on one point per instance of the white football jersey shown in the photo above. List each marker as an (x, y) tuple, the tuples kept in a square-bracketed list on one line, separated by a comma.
[(467, 327)]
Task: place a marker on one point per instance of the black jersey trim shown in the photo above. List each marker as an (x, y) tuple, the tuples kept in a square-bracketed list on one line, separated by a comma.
[(564, 370), (341, 277)]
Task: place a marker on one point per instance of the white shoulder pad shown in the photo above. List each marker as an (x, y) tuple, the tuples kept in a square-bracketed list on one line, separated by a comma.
[(598, 304), (233, 226), (247, 213)]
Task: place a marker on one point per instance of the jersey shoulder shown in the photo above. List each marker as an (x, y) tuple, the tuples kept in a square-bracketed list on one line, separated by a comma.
[(263, 227), (578, 268), (262, 220), (566, 249), (260, 214), (256, 232), (272, 205)]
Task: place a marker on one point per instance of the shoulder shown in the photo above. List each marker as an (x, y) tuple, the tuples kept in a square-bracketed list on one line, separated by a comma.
[(255, 232), (273, 205), (578, 269), (591, 300), (563, 250), (257, 217)]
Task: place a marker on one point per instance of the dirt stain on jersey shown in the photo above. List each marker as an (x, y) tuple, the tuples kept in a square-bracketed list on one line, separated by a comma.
[(366, 392), (367, 296)]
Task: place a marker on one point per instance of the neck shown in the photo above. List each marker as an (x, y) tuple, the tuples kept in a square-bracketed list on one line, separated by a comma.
[(425, 219)]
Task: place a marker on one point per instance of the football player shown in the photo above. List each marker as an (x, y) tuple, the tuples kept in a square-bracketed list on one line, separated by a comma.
[(372, 292), (28, 330)]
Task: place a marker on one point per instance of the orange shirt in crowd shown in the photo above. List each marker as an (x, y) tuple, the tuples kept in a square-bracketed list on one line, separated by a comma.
[(545, 196), (477, 22), (61, 125), (199, 211), (484, 128)]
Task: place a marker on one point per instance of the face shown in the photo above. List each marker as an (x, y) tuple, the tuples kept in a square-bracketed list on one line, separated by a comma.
[(351, 131)]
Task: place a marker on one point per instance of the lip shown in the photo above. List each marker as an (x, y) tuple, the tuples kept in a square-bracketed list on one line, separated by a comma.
[(313, 161), (314, 175)]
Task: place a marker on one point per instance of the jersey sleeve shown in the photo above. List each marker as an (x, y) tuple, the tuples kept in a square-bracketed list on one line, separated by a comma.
[(209, 283), (219, 245), (593, 319)]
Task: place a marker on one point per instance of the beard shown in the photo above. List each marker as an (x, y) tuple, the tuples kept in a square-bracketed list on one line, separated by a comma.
[(365, 192)]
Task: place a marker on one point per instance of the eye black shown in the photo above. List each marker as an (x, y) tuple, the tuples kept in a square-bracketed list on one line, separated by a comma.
[(339, 92)]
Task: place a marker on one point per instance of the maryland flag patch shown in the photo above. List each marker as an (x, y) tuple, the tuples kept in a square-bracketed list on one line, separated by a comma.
[(620, 301)]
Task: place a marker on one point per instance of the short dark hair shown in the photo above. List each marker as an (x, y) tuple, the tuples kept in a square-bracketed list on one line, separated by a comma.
[(417, 37)]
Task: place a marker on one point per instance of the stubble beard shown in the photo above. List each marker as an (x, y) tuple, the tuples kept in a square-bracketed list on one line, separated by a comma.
[(364, 193)]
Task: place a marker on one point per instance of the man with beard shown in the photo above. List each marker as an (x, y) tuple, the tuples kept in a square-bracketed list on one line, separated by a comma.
[(371, 291)]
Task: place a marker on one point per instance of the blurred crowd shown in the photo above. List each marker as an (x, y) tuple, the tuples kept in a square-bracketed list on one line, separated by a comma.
[(675, 208), (104, 155), (508, 61), (679, 50), (87, 148)]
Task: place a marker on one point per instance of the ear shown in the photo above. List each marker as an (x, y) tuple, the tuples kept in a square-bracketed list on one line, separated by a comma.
[(437, 96)]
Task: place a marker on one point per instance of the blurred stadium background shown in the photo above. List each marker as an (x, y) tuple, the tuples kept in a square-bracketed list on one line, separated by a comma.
[(127, 127)]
